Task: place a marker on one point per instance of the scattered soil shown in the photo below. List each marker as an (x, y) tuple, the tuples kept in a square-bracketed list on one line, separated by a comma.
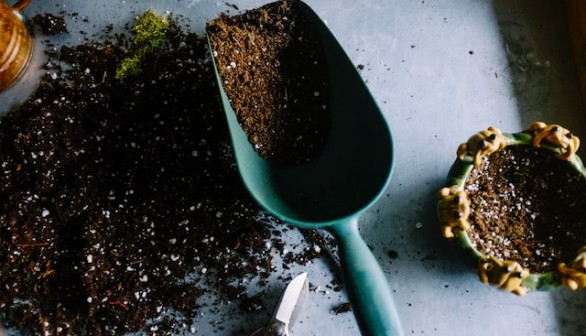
[(50, 24), (274, 74), (527, 206), (345, 307), (121, 203)]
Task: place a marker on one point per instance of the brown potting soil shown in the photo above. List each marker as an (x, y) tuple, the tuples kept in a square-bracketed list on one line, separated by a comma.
[(528, 206), (273, 72), (120, 200)]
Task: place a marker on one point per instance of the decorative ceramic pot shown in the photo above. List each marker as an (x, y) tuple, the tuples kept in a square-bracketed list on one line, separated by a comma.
[(16, 43), (518, 202)]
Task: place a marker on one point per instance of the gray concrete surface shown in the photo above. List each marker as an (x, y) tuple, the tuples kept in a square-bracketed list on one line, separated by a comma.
[(440, 71)]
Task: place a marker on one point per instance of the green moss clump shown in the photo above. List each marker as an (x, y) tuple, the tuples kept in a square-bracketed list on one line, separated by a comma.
[(149, 34)]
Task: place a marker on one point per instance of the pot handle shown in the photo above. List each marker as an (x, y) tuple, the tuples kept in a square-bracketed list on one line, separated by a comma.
[(20, 5)]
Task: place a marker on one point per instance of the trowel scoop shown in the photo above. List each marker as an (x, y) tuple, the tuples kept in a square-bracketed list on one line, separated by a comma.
[(331, 191)]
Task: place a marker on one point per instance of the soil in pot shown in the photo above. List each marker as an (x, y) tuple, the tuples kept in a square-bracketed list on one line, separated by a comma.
[(528, 206), (274, 74), (518, 201)]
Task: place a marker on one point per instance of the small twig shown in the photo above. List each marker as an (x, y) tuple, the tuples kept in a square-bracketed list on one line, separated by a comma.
[(118, 303), (32, 245), (47, 274)]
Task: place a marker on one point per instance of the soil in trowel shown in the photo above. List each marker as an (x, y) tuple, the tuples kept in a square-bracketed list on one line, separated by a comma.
[(274, 74)]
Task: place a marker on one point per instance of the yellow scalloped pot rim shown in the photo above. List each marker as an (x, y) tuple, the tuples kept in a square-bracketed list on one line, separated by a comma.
[(453, 207)]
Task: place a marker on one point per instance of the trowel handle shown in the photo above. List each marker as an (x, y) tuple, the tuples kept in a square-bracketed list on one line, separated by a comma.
[(367, 286)]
